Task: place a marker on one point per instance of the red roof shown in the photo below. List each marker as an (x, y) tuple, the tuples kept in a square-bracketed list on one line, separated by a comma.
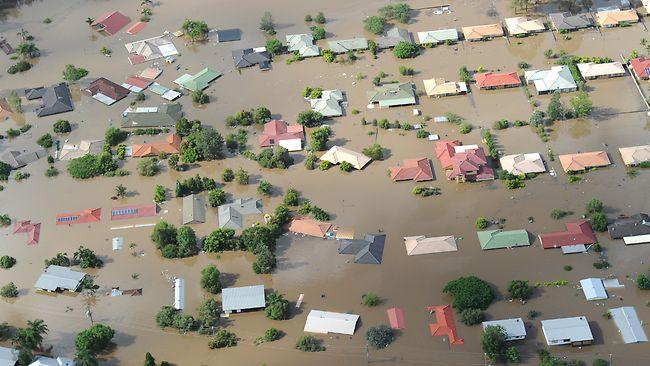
[(133, 211), (138, 81), (444, 325), (81, 217), (418, 170), (172, 145), (108, 88), (278, 130), (111, 23), (640, 65), (34, 230), (396, 318), (576, 233), (307, 226), (135, 28), (492, 80), (444, 152), (471, 164)]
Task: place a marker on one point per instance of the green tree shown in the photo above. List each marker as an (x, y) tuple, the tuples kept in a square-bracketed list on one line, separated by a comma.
[(310, 118), (320, 18), (96, 339), (120, 190), (222, 338), (195, 30), (581, 104), (241, 176), (598, 221), (374, 24), (216, 197), (272, 334), (370, 299), (264, 188), (9, 290), (210, 279), (309, 343), (494, 343), (469, 293), (557, 214), (380, 336), (159, 195), (186, 239), (86, 258), (262, 115), (318, 138), (276, 157), (220, 240), (148, 167), (512, 355), (72, 73), (27, 50), (472, 316), (463, 74), (265, 261), (7, 262), (85, 357), (199, 97), (45, 141), (317, 32), (274, 46), (184, 127), (406, 50), (555, 109), (291, 197), (374, 151), (149, 360), (643, 282), (114, 136), (163, 234), (482, 223), (399, 12), (519, 289), (594, 205), (277, 307)]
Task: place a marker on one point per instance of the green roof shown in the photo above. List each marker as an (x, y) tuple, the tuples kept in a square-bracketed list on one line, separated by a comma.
[(394, 94), (497, 239), (199, 81)]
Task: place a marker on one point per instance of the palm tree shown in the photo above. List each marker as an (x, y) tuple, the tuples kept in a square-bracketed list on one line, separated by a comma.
[(120, 191), (90, 21), (27, 49), (85, 357), (38, 329)]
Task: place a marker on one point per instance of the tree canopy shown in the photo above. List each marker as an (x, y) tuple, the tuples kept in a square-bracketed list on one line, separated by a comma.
[(469, 293)]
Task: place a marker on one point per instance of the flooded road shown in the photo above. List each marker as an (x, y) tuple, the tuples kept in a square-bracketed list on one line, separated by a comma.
[(364, 200)]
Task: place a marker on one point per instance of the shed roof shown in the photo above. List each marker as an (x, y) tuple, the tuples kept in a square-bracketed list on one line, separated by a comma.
[(57, 277), (574, 329), (420, 244), (514, 328), (628, 324), (243, 298), (328, 322), (498, 239), (593, 289), (228, 35)]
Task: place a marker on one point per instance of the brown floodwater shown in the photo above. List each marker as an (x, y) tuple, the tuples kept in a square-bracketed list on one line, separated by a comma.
[(364, 200)]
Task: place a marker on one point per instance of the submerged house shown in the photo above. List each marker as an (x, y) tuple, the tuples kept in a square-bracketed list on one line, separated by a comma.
[(641, 67), (80, 217), (417, 170), (574, 331), (33, 231), (517, 164), (248, 57), (5, 109), (329, 104), (198, 81), (171, 145), (150, 49), (420, 244), (57, 278), (309, 226), (576, 233), (393, 37), (49, 361), (392, 95), (497, 80), (569, 22), (514, 328), (8, 356), (635, 225), (106, 91), (439, 87), (635, 155), (279, 133), (583, 161), (616, 17), (593, 289), (628, 324), (347, 45), (438, 36), (55, 99), (164, 115), (325, 322), (592, 70), (85, 147), (110, 23), (238, 299), (337, 155), (521, 26), (557, 78), (482, 32), (133, 211), (194, 208), (469, 163), (19, 158), (303, 44), (370, 250), (500, 239), (231, 215)]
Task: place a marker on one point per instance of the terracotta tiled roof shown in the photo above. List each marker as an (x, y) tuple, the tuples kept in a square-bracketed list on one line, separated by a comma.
[(444, 325), (582, 161), (444, 152), (278, 130), (81, 217), (307, 226), (576, 233), (418, 170), (172, 145), (641, 66), (493, 79)]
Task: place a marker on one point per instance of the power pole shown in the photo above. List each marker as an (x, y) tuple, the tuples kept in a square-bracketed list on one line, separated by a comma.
[(89, 314)]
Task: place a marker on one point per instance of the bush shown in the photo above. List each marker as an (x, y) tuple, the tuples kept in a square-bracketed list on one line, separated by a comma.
[(277, 307), (501, 124), (266, 23), (375, 152), (512, 355), (159, 195), (309, 343), (265, 261), (328, 56), (319, 214), (324, 165), (380, 336), (199, 97), (72, 73), (222, 338), (193, 185), (469, 293), (482, 223), (7, 262), (210, 279), (567, 268), (643, 282), (9, 290), (557, 214), (21, 66), (61, 259), (465, 128), (309, 118), (598, 222), (594, 205), (195, 29), (370, 299), (5, 220), (241, 176), (274, 46), (272, 334), (227, 175), (422, 134), (406, 50), (114, 136), (317, 32), (345, 166), (45, 141), (148, 167), (374, 24), (494, 343), (95, 339), (320, 18), (472, 316), (519, 289), (399, 12)]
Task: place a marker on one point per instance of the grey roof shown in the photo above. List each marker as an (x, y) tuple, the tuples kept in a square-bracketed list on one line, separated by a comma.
[(303, 44), (351, 246), (19, 158), (329, 104), (165, 115), (628, 324), (637, 224), (248, 57), (231, 215), (567, 21), (566, 330), (8, 356), (556, 78), (370, 250), (56, 99), (393, 37), (35, 93), (228, 35), (59, 278), (514, 328), (49, 361), (243, 298), (345, 45), (393, 94), (193, 209), (438, 36)]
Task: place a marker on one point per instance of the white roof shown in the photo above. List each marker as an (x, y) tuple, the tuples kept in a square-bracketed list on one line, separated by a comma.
[(637, 239), (557, 78), (179, 294), (8, 356), (242, 298), (628, 324), (48, 361), (523, 163), (438, 36), (338, 154), (571, 249), (329, 322), (592, 70), (523, 25), (593, 289), (514, 328), (464, 148), (420, 244), (566, 330), (291, 144), (57, 277)]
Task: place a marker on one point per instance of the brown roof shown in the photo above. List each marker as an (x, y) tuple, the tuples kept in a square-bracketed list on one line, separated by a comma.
[(582, 161), (576, 233), (108, 88), (418, 170), (307, 226)]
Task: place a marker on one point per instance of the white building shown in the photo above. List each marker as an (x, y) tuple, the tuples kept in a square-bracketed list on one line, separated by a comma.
[(514, 328), (328, 322), (574, 331), (593, 289)]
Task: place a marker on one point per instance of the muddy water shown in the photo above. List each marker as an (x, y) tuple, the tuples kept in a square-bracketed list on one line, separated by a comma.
[(366, 200)]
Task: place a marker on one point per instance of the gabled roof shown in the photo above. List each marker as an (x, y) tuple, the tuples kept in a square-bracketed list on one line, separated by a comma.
[(612, 18), (80, 217), (231, 215), (164, 115), (69, 152), (33, 231), (328, 322), (393, 37), (278, 130), (499, 239), (373, 252), (308, 226), (593, 289), (420, 244), (438, 36), (303, 44), (635, 155), (243, 298), (497, 79), (193, 209), (394, 94), (581, 161), (345, 45), (444, 325), (228, 35), (557, 78), (567, 21), (641, 67), (635, 225), (576, 233), (136, 83), (337, 154), (198, 81), (49, 361), (514, 328), (418, 170), (445, 151), (59, 278), (5, 109), (441, 87), (171, 145), (628, 324), (110, 23), (594, 70), (566, 330), (56, 99), (471, 163), (135, 28), (523, 163), (20, 158), (150, 49), (106, 91), (478, 32), (396, 318), (329, 104), (249, 57), (524, 25)]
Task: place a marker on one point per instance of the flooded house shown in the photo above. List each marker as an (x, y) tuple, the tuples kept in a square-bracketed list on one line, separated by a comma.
[(18, 157), (593, 289), (635, 155), (528, 163), (392, 95), (420, 244), (574, 331), (231, 215), (417, 170), (583, 161), (439, 87), (57, 278), (198, 81), (55, 99), (84, 147), (503, 239), (329, 104), (194, 208), (326, 322), (566, 22), (369, 250), (79, 217), (347, 45), (133, 211), (50, 361), (164, 115), (523, 26), (150, 49), (469, 163), (303, 44), (641, 67), (637, 225), (592, 70), (106, 91), (33, 230), (338, 154), (394, 36), (238, 299), (483, 32), (435, 37), (575, 234), (557, 78), (310, 227), (616, 17), (248, 57), (279, 133), (497, 80), (110, 23), (170, 145), (514, 328), (628, 324)]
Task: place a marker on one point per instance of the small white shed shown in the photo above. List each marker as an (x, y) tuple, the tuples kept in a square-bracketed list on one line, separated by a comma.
[(593, 289), (328, 322), (179, 294)]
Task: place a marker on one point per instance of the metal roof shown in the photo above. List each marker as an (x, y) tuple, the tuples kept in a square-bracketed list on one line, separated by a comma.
[(566, 330), (231, 215), (514, 328), (193, 209), (328, 322), (593, 289), (57, 277), (242, 298), (497, 239), (8, 356), (628, 324), (165, 115)]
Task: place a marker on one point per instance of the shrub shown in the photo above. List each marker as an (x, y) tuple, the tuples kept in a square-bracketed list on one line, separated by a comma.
[(7, 262), (222, 338), (320, 18), (375, 152), (406, 50), (308, 18), (598, 222), (500, 124), (399, 12), (72, 73), (472, 316), (51, 172), (519, 289), (601, 264), (469, 293), (557, 214), (309, 343), (594, 205), (406, 71), (317, 32), (199, 97), (512, 355), (345, 166), (422, 134), (227, 175), (61, 259), (309, 118), (9, 290), (465, 128), (272, 334), (319, 214), (370, 299), (380, 336), (277, 307), (45, 141), (374, 24), (210, 279), (482, 223), (159, 195), (148, 167), (568, 268), (266, 23), (643, 282), (274, 46), (20, 66), (324, 165), (264, 188), (328, 56)]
